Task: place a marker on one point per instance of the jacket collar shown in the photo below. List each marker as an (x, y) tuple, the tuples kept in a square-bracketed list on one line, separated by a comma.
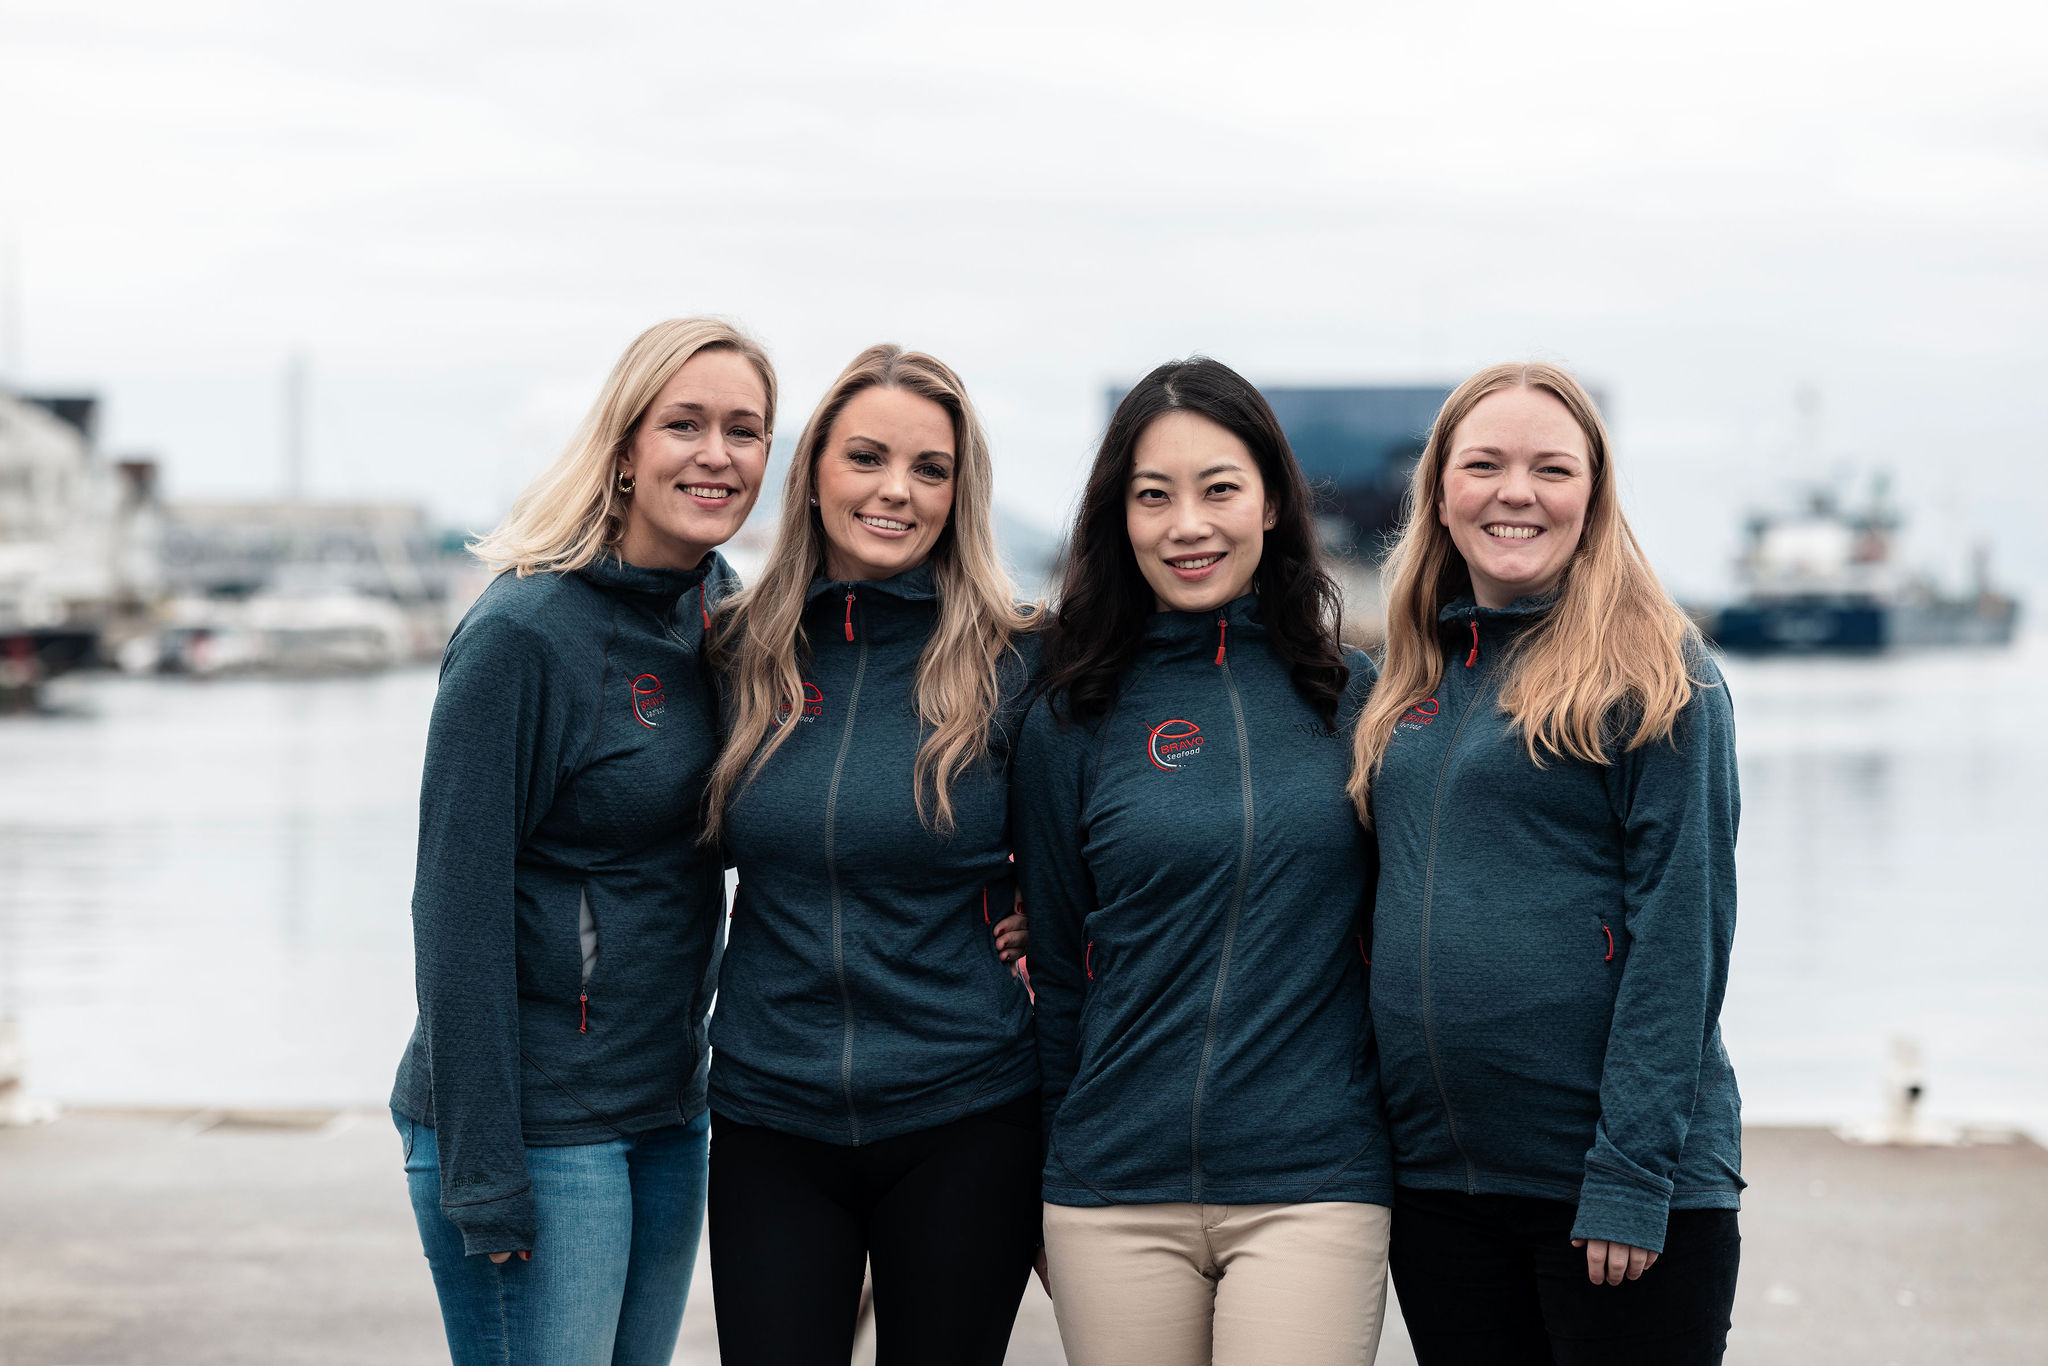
[(912, 585), (1520, 613), (614, 575), (1235, 621), (1463, 624)]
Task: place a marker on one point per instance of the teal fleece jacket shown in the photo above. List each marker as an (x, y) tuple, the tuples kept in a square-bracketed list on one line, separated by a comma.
[(862, 995), (1550, 950), (565, 767), (1198, 886)]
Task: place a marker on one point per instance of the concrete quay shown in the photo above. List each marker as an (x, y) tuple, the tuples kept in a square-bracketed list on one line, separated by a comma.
[(166, 1238)]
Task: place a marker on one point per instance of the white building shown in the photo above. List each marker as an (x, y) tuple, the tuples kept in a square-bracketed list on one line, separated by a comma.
[(78, 537)]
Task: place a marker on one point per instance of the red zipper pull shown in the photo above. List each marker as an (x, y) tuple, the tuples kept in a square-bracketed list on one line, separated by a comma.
[(1222, 630), (1088, 962), (703, 607), (584, 1001), (1610, 944), (1470, 659), (849, 614)]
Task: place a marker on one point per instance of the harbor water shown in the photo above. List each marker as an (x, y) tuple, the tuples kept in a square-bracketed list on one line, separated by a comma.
[(204, 886)]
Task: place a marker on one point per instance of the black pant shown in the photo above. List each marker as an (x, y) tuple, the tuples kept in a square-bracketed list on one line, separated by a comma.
[(948, 1217), (1495, 1280)]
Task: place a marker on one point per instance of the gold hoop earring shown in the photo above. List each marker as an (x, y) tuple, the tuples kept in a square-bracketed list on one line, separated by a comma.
[(625, 484)]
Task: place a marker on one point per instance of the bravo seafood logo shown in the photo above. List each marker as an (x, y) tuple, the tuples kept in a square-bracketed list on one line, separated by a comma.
[(1172, 743), (814, 706), (648, 700), (1422, 714)]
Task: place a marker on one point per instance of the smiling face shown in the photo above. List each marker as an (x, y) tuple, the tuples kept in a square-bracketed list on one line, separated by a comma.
[(884, 484), (695, 462), (1515, 488), (1196, 512)]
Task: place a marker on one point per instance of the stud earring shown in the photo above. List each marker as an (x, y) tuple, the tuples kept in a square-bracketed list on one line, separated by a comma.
[(814, 500), (625, 483)]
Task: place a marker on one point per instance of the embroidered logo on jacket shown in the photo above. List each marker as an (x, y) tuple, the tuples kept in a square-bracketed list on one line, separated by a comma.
[(648, 700), (814, 706), (1422, 714), (1172, 743)]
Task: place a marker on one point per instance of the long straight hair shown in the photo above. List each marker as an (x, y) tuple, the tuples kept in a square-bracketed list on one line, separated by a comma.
[(1103, 597), (573, 511), (759, 640), (1613, 647)]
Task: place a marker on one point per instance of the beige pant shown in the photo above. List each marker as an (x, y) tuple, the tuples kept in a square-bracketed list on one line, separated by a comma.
[(1233, 1285)]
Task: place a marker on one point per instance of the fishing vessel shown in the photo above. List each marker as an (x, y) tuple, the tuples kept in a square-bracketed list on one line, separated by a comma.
[(1824, 578)]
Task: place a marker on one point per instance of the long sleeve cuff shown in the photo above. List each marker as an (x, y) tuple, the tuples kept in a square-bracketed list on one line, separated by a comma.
[(505, 1224), (1622, 1210)]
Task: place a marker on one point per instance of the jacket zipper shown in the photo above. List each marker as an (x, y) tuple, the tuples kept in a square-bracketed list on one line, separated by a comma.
[(1244, 872), (1436, 1066), (860, 668), (583, 912)]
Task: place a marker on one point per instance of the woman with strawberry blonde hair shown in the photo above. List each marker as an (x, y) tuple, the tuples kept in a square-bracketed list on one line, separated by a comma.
[(1548, 761)]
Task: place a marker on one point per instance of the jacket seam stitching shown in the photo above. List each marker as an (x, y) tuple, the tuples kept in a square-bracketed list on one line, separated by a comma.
[(487, 1200), (597, 1114)]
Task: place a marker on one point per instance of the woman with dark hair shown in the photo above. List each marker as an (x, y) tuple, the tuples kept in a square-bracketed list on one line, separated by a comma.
[(1217, 1177)]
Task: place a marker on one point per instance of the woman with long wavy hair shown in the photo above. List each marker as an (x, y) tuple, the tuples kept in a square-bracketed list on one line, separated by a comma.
[(565, 916), (1217, 1177), (874, 1087), (1548, 762)]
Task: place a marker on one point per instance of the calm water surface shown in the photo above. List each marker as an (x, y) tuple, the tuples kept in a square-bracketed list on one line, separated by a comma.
[(204, 886)]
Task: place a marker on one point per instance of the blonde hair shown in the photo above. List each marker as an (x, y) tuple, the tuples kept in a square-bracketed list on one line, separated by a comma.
[(573, 511), (760, 633), (1613, 647)]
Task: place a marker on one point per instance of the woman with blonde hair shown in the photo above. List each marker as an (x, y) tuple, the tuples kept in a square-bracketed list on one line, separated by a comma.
[(565, 915), (874, 1087), (1548, 761)]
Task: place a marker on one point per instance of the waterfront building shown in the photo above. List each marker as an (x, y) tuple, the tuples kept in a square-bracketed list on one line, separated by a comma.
[(78, 534)]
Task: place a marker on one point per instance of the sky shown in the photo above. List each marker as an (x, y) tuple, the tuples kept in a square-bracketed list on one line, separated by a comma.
[(459, 214)]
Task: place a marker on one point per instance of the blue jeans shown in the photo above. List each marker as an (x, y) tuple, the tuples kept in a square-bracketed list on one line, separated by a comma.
[(617, 1240)]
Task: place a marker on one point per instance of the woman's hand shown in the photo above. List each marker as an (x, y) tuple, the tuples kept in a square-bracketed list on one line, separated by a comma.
[(1013, 933), (1612, 1263), (500, 1258)]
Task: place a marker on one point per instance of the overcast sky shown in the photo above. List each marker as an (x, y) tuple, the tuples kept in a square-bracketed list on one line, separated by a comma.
[(462, 212)]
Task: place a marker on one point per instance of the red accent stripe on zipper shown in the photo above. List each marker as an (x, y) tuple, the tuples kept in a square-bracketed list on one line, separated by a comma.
[(1361, 950), (703, 607), (584, 1001), (1610, 944), (849, 614), (1222, 630), (984, 907), (1088, 962), (1470, 659)]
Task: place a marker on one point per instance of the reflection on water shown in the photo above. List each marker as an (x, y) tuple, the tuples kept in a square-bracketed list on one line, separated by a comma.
[(204, 887), (1891, 813)]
